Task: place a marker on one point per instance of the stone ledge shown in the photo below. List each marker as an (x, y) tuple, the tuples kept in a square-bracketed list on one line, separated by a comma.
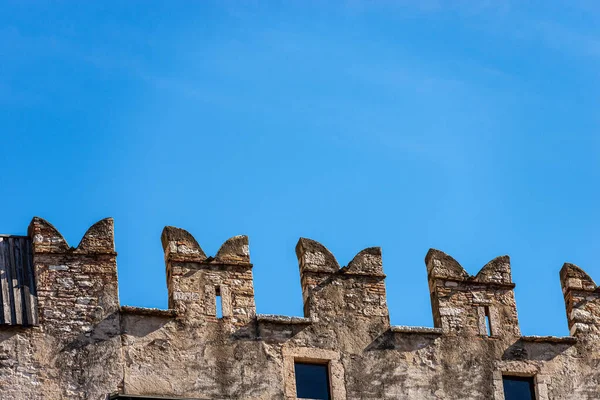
[(154, 312), (550, 339), (416, 329), (204, 262), (347, 272), (121, 396), (471, 281), (282, 319)]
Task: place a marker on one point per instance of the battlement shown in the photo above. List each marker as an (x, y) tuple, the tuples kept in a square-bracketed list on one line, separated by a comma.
[(582, 298), (63, 329), (481, 305)]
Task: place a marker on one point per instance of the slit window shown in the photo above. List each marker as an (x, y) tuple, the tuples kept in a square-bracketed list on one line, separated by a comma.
[(488, 321), (518, 387), (312, 381), (218, 302)]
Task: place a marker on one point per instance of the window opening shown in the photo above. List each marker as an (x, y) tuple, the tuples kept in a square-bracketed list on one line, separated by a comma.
[(218, 302), (518, 387), (312, 381), (488, 321)]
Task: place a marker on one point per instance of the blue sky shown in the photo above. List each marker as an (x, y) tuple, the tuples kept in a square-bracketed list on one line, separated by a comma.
[(407, 125)]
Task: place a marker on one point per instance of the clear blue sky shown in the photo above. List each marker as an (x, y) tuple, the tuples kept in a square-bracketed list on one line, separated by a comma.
[(407, 125)]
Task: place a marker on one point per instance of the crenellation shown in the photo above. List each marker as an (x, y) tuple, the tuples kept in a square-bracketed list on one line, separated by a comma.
[(234, 250), (177, 241), (85, 345), (76, 287), (496, 271), (441, 265), (582, 301), (360, 284), (45, 237), (481, 305), (195, 281), (366, 262), (99, 238)]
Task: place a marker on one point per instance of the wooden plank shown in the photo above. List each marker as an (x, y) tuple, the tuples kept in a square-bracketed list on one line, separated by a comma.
[(20, 266), (29, 283), (33, 285), (6, 291), (4, 302), (16, 284), (24, 272), (11, 294), (18, 297)]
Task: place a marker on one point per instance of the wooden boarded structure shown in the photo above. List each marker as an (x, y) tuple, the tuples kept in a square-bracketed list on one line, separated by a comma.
[(18, 299)]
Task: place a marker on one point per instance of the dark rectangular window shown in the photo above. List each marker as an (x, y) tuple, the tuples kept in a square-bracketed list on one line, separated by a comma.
[(312, 381), (518, 388)]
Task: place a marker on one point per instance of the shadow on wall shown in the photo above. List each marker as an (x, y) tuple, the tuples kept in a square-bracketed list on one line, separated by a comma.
[(536, 351), (408, 342)]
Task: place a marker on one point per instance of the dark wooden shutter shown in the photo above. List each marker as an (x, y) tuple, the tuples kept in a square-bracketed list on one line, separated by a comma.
[(17, 282)]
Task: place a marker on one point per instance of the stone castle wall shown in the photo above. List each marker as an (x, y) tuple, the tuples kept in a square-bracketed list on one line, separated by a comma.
[(84, 345)]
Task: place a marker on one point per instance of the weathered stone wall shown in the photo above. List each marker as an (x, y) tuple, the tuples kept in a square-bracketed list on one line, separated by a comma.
[(87, 346)]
